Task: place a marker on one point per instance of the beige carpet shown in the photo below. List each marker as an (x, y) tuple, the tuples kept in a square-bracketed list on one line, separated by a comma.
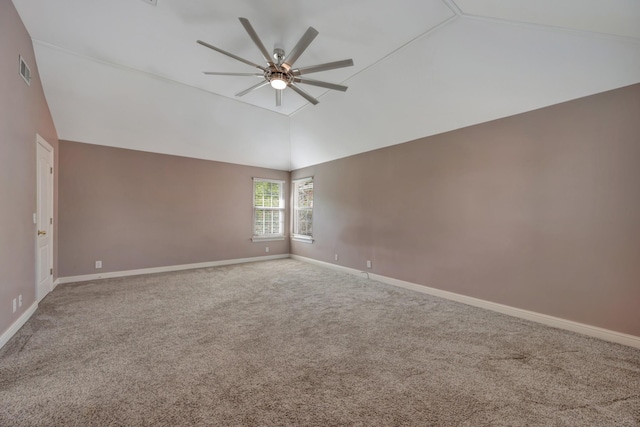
[(287, 343)]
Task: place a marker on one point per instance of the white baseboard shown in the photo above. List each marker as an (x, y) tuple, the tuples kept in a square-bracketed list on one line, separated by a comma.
[(15, 327), (556, 322), (329, 265), (108, 275)]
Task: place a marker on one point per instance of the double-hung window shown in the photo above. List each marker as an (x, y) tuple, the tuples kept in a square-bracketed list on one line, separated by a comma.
[(302, 206), (268, 209)]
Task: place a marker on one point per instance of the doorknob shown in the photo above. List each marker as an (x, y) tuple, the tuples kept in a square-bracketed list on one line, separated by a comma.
[(41, 233)]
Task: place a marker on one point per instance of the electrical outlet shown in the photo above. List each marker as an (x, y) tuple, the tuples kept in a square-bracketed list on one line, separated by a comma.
[(335, 257), (20, 300), (266, 249), (14, 305), (98, 264), (368, 263)]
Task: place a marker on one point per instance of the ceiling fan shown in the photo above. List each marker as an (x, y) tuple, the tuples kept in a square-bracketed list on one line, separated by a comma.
[(279, 71)]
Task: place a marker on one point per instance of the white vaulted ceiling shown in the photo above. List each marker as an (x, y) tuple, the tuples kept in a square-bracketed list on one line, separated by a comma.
[(127, 74)]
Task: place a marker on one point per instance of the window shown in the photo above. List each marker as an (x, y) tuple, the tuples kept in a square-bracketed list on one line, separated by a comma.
[(268, 209), (302, 216)]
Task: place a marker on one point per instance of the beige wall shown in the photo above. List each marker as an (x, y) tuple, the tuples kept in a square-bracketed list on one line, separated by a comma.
[(23, 113), (539, 211), (133, 210)]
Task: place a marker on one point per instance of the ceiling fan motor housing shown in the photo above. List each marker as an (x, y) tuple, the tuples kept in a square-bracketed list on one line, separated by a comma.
[(272, 75)]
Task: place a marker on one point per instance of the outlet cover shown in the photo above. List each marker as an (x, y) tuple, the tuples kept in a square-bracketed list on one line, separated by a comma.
[(368, 264), (266, 249), (20, 300), (98, 264), (335, 257), (14, 305)]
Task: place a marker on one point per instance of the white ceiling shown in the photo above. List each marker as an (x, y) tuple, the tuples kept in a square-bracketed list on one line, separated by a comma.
[(127, 74)]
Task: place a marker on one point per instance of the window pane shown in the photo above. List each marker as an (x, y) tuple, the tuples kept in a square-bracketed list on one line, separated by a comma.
[(275, 222), (259, 223), (267, 222), (305, 194), (275, 195), (304, 223)]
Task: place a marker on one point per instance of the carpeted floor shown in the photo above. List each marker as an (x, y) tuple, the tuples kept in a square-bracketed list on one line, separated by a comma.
[(288, 343)]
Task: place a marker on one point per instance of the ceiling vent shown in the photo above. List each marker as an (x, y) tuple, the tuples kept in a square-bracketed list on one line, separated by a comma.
[(25, 71)]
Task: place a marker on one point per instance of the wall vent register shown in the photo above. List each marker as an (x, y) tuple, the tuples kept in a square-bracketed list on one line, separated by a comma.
[(25, 71)]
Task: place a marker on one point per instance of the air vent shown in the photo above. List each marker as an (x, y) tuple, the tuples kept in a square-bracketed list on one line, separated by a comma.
[(151, 2), (25, 71)]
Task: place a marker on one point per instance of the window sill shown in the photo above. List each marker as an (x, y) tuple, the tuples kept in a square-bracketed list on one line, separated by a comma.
[(302, 239), (256, 239)]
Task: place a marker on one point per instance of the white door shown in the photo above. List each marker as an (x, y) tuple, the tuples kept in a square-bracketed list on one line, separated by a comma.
[(44, 219)]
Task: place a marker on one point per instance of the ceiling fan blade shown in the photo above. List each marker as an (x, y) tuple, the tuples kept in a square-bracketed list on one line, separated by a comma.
[(303, 94), (215, 73), (322, 67), (252, 88), (231, 55), (321, 84), (300, 47), (278, 98), (254, 36)]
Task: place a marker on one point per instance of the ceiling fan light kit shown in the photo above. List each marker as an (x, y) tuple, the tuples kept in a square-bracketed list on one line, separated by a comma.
[(279, 72), (279, 80)]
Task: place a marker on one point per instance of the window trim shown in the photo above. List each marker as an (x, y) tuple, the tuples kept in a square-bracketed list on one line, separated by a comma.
[(281, 208), (274, 238), (303, 238)]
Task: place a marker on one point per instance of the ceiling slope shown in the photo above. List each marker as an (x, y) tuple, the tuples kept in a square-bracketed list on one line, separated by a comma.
[(130, 109), (468, 72)]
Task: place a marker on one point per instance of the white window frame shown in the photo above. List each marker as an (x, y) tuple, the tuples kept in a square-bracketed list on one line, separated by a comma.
[(280, 208), (294, 208)]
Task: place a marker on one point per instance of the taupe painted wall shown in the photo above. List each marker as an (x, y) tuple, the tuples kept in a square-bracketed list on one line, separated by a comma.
[(23, 113), (133, 210), (539, 211)]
